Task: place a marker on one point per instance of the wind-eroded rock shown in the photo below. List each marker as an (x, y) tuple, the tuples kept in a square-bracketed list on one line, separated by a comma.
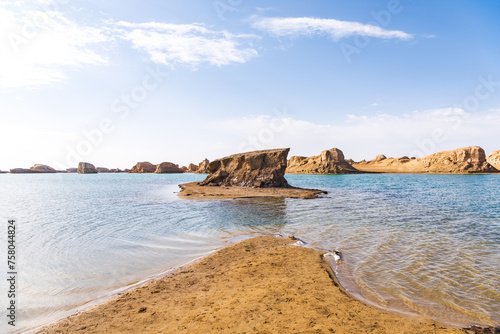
[(461, 161), (328, 162), (258, 169), (102, 170), (86, 168), (203, 167), (143, 167), (192, 168), (494, 159), (167, 168), (38, 168)]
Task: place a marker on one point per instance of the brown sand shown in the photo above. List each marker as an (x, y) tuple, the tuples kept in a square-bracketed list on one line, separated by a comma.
[(260, 285), (194, 191)]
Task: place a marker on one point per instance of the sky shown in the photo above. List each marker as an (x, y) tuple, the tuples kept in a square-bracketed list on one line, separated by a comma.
[(117, 82)]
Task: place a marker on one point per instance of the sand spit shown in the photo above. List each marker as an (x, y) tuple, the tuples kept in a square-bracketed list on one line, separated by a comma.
[(193, 190), (260, 285)]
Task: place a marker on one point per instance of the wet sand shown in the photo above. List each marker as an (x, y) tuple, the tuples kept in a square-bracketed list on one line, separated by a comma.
[(194, 191), (260, 285)]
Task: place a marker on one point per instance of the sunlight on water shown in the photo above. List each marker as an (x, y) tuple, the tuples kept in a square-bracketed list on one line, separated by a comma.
[(427, 244)]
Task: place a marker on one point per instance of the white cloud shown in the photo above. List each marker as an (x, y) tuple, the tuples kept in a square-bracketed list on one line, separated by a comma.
[(336, 29), (364, 137), (189, 44), (38, 47)]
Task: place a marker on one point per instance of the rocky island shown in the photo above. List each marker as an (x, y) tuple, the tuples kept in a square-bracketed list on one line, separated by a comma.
[(251, 174)]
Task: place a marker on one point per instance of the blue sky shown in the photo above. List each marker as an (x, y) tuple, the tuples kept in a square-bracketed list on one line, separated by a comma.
[(117, 82)]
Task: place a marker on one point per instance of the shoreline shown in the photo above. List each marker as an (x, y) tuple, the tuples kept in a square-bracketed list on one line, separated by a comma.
[(224, 283)]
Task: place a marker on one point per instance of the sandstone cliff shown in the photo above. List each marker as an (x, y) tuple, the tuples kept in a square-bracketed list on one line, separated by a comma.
[(86, 168), (494, 159), (203, 167), (258, 169), (192, 168), (143, 167), (461, 161), (328, 162), (168, 167)]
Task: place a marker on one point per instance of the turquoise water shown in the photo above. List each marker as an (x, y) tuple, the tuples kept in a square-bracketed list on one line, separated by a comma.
[(425, 244)]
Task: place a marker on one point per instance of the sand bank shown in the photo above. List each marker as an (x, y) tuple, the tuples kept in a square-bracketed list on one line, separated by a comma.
[(260, 285), (194, 191)]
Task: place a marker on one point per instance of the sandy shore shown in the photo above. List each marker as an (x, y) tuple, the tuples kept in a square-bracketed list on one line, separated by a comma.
[(260, 285), (194, 191)]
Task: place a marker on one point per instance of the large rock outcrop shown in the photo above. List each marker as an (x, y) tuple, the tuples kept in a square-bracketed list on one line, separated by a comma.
[(192, 168), (203, 167), (258, 169), (328, 162), (461, 161), (102, 170), (86, 168), (167, 168), (143, 167), (494, 159)]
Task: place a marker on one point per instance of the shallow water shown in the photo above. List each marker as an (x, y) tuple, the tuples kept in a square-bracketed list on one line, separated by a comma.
[(428, 244)]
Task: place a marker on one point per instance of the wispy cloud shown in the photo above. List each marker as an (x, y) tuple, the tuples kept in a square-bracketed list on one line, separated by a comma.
[(363, 136), (41, 46), (335, 29), (188, 44)]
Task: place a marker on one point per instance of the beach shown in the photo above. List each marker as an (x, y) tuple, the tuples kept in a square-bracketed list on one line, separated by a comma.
[(259, 285)]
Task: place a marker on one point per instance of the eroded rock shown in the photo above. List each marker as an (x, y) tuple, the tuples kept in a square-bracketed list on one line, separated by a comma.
[(86, 168), (328, 162)]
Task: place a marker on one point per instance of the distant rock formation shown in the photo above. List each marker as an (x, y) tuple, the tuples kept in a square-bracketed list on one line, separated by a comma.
[(192, 168), (116, 170), (3, 172), (184, 169), (328, 162), (494, 159), (461, 161), (258, 169), (102, 170), (203, 167), (72, 170), (86, 168), (167, 168), (38, 168), (20, 171), (143, 167)]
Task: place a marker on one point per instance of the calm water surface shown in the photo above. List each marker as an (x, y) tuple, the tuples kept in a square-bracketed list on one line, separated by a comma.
[(425, 244)]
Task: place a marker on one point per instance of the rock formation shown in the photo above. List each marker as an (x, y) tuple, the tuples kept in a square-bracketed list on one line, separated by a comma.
[(494, 159), (116, 170), (38, 168), (184, 169), (461, 161), (258, 169), (166, 168), (20, 171), (203, 167), (72, 170), (102, 170), (251, 174), (86, 168), (143, 167), (328, 162), (192, 168)]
